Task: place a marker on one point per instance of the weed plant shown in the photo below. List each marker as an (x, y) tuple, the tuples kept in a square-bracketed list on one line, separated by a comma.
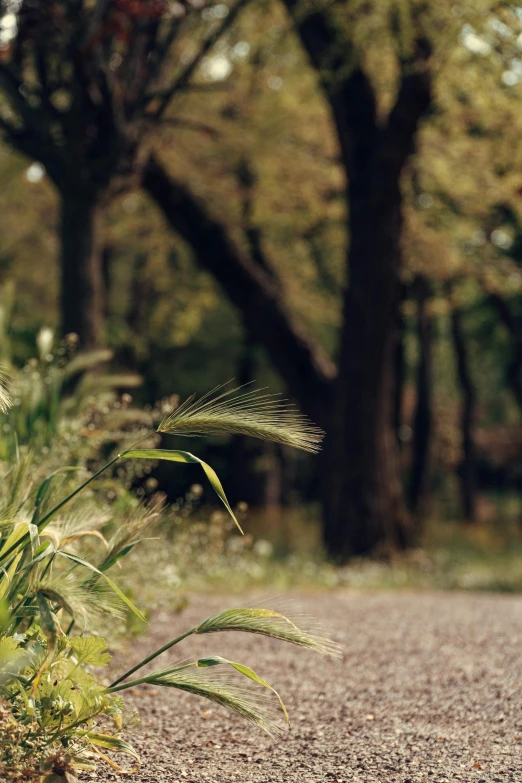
[(57, 582)]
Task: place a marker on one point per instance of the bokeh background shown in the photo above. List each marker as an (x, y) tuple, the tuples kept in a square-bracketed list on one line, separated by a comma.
[(321, 197)]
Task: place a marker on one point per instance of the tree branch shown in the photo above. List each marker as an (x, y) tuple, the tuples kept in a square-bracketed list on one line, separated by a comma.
[(412, 103), (182, 80)]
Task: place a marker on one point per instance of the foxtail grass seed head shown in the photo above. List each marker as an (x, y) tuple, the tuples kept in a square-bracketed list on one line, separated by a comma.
[(5, 397), (223, 689), (253, 413), (273, 624)]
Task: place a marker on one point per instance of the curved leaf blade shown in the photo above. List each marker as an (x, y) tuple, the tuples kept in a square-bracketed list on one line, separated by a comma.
[(187, 458)]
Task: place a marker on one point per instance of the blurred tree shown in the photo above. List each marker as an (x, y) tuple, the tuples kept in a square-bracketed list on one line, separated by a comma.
[(362, 493), (364, 506), (467, 467), (255, 179), (83, 84)]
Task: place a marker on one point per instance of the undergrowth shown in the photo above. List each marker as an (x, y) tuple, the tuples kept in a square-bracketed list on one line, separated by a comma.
[(57, 584)]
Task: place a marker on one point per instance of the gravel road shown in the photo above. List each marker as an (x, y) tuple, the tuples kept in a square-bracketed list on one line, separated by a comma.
[(428, 690)]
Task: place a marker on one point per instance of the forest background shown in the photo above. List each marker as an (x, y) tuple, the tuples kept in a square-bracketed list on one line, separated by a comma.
[(324, 198)]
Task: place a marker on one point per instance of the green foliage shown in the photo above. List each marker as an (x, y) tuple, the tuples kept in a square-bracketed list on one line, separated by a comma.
[(52, 398), (54, 588), (54, 697)]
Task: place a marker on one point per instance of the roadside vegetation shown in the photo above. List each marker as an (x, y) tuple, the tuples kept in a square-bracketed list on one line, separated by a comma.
[(62, 540)]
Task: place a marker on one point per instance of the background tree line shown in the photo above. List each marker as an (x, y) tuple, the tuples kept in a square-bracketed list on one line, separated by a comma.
[(345, 172)]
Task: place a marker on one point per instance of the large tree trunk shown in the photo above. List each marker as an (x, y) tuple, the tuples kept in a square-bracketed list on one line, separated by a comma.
[(364, 508), (364, 512), (81, 268)]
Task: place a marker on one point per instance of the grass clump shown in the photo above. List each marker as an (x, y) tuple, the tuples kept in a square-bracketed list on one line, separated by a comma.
[(57, 583)]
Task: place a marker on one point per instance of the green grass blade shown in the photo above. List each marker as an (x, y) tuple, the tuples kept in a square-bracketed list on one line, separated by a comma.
[(109, 742)]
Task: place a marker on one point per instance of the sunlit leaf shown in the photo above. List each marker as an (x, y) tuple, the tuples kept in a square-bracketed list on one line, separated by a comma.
[(109, 742), (90, 650)]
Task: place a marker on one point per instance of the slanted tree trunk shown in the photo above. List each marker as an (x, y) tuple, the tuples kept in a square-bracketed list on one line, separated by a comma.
[(259, 297), (467, 465), (422, 424), (81, 267)]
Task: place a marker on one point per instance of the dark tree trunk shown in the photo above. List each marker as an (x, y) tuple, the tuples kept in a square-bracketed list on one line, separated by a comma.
[(364, 508), (422, 424), (467, 467), (514, 325), (81, 268), (364, 511)]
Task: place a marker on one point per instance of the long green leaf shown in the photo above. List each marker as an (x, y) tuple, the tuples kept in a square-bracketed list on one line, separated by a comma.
[(186, 458)]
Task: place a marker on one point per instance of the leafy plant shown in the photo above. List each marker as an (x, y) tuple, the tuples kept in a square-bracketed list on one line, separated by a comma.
[(54, 586), (54, 390)]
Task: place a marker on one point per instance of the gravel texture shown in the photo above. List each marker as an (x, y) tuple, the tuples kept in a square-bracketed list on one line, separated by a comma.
[(428, 690)]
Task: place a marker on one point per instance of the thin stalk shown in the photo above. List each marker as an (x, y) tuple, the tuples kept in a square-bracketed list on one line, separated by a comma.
[(151, 658), (144, 680)]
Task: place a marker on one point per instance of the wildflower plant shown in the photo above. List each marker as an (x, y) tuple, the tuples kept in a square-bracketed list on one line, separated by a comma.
[(56, 581)]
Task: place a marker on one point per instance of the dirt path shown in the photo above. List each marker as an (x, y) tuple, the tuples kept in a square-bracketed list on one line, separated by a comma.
[(429, 690)]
